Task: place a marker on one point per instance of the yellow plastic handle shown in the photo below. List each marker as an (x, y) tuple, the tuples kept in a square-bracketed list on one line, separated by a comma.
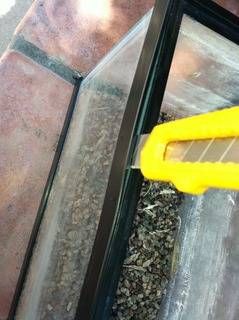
[(192, 177)]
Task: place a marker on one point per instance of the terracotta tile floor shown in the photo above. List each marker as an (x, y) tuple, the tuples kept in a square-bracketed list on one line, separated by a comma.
[(80, 32), (32, 112), (33, 102)]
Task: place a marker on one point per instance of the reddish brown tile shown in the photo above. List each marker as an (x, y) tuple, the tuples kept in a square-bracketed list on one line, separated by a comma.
[(230, 5), (33, 103), (80, 32)]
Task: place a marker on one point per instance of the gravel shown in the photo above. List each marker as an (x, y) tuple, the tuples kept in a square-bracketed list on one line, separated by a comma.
[(147, 267)]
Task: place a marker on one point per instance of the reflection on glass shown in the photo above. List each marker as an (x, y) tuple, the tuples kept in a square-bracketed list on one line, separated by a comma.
[(205, 71), (96, 8), (204, 76)]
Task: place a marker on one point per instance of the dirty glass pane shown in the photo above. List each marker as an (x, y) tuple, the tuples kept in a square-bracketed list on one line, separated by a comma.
[(72, 215), (205, 71), (204, 76)]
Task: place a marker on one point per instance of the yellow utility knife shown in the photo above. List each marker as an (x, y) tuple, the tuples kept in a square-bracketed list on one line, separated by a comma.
[(194, 153)]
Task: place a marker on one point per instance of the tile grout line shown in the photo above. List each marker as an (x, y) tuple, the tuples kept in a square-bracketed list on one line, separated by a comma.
[(19, 44)]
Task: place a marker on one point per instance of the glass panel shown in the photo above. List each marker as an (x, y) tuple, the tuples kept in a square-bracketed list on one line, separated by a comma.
[(205, 72), (67, 233), (204, 76)]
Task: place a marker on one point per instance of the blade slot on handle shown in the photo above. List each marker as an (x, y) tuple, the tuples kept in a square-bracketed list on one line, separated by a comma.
[(207, 150)]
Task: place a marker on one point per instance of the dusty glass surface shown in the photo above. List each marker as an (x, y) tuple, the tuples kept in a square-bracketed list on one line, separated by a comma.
[(67, 233), (205, 71), (204, 76)]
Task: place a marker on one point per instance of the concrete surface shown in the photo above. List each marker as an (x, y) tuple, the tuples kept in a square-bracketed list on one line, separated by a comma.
[(11, 12)]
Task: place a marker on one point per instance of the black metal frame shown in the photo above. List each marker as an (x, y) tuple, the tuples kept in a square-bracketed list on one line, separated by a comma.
[(141, 114), (40, 213)]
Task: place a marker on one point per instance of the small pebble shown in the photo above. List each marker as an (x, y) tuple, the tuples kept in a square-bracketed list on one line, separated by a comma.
[(49, 307), (149, 255), (68, 308)]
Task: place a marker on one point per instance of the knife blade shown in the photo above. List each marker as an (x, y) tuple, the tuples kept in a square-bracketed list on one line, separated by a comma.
[(206, 150)]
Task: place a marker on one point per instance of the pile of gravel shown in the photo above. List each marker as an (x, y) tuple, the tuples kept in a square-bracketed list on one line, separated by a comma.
[(147, 267)]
